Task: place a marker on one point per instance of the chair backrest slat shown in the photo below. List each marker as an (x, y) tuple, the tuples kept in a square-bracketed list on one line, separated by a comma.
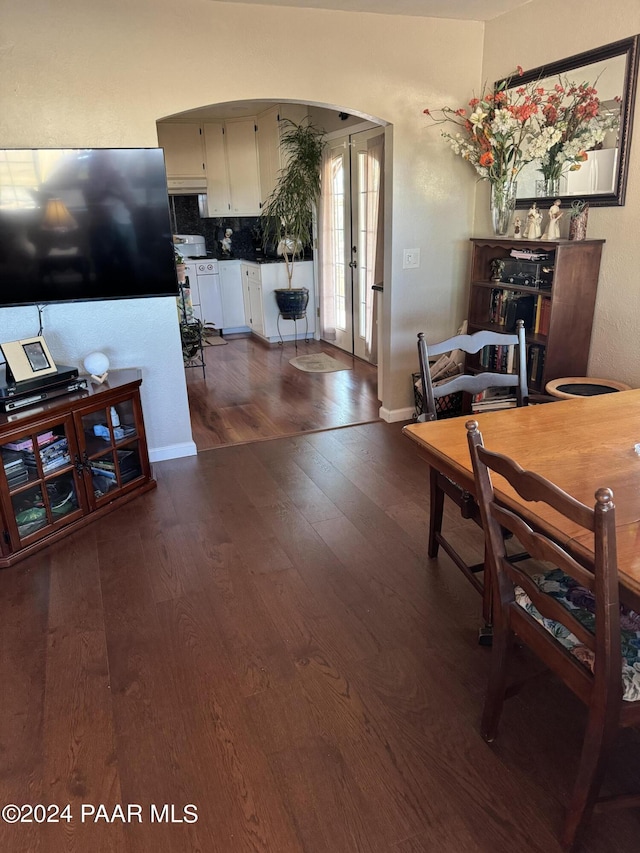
[(473, 383), (599, 577), (540, 547), (533, 487)]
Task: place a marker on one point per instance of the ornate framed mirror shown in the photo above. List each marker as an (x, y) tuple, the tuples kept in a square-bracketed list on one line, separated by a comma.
[(602, 178)]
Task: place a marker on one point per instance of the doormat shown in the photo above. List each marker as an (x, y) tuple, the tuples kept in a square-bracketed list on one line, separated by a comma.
[(214, 342), (318, 363)]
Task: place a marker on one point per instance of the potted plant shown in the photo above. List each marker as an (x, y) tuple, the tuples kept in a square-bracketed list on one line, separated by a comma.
[(578, 220), (287, 215), (180, 266)]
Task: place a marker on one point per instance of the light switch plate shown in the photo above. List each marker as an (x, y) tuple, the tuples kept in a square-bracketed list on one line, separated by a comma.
[(411, 259)]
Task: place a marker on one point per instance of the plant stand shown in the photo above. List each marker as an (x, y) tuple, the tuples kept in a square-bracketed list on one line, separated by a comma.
[(191, 336), (295, 319)]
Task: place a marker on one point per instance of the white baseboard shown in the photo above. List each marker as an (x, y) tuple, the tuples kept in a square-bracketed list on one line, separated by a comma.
[(172, 451), (392, 416)]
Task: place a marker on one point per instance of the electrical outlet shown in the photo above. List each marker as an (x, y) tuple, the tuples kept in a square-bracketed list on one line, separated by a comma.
[(411, 259)]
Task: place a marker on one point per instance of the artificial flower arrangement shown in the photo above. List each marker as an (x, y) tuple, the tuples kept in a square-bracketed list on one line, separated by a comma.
[(574, 110), (502, 132), (511, 126)]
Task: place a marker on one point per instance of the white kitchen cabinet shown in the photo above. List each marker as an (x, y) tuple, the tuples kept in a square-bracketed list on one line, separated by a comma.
[(242, 162), (270, 124), (252, 295), (183, 149), (233, 304), (233, 184), (218, 193), (270, 277)]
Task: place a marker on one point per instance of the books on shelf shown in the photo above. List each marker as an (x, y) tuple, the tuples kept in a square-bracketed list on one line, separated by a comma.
[(27, 443), (53, 455), (535, 363), (494, 399)]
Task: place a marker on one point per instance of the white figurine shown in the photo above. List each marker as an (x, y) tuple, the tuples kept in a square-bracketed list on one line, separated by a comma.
[(552, 231), (226, 242), (517, 228), (533, 228)]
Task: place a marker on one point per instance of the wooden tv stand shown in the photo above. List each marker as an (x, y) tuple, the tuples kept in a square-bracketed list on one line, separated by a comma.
[(76, 473)]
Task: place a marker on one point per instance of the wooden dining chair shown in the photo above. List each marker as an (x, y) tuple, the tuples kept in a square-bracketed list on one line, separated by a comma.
[(568, 614), (471, 383)]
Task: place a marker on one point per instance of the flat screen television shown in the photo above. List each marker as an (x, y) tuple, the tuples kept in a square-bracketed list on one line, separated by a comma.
[(84, 224)]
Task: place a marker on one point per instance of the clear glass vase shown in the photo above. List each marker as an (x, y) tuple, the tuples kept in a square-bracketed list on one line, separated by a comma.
[(503, 202), (552, 187)]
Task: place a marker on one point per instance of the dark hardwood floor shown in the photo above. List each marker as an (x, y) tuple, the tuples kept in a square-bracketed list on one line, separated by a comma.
[(263, 637), (251, 392)]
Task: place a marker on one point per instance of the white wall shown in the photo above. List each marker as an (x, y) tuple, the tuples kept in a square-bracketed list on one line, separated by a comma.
[(564, 29), (101, 72)]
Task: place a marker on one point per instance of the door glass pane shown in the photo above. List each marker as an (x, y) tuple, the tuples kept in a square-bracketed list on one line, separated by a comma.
[(62, 497), (29, 510), (115, 469), (368, 189), (338, 201), (108, 426)]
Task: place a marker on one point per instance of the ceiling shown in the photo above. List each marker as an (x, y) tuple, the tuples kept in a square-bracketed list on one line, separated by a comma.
[(464, 10)]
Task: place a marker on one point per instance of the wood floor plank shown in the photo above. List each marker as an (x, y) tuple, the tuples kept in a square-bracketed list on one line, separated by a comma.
[(252, 392), (243, 814), (264, 637)]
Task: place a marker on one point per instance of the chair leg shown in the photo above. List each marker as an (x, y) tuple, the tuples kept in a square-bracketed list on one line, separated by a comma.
[(494, 700), (487, 589), (436, 507), (599, 738)]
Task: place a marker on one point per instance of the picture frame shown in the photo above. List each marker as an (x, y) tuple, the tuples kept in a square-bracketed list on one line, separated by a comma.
[(28, 359)]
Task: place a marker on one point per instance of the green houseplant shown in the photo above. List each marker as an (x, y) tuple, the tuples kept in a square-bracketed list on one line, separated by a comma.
[(287, 215)]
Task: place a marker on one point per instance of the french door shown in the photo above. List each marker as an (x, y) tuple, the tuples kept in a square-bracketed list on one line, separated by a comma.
[(350, 240)]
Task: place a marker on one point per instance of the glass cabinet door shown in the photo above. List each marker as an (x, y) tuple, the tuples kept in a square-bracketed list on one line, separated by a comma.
[(112, 456), (42, 481)]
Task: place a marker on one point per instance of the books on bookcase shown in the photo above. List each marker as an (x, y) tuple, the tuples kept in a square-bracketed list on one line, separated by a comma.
[(551, 285)]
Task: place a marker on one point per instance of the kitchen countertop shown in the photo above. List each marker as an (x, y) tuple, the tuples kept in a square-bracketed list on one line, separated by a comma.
[(250, 260)]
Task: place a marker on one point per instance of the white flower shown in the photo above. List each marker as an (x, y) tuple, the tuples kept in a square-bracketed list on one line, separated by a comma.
[(504, 123), (477, 116)]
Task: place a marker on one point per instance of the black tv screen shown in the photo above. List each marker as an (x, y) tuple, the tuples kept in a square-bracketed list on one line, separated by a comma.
[(84, 224)]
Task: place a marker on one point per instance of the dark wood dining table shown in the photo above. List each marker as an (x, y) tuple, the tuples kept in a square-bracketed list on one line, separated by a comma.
[(580, 445)]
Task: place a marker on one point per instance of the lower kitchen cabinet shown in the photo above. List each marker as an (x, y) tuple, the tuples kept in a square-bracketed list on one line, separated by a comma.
[(263, 280), (233, 308), (252, 294), (69, 461)]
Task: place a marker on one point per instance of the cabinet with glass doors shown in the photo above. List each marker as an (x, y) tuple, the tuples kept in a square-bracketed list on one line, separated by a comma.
[(69, 461)]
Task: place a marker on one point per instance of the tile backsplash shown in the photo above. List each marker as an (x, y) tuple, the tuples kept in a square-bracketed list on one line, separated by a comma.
[(186, 219)]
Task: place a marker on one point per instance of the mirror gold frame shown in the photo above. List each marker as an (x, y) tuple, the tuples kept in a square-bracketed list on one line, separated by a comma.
[(627, 50)]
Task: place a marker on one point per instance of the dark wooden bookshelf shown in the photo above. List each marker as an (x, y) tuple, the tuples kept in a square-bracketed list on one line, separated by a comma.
[(571, 293)]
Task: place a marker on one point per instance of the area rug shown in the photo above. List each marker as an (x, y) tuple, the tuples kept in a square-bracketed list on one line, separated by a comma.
[(318, 363)]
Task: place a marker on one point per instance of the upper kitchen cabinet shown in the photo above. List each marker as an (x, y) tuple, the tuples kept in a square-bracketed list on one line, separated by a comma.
[(233, 184), (270, 123), (183, 150), (242, 160), (218, 195)]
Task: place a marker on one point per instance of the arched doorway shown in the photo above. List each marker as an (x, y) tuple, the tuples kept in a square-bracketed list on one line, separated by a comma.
[(192, 212)]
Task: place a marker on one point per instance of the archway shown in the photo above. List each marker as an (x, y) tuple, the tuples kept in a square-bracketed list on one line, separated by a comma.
[(191, 211)]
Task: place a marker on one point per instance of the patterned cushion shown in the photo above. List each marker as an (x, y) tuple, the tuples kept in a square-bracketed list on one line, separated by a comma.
[(581, 603)]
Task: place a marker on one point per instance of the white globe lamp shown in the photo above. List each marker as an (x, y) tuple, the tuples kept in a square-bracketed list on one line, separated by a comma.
[(97, 364)]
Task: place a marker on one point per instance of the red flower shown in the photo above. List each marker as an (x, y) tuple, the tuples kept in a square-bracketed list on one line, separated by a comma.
[(486, 159)]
